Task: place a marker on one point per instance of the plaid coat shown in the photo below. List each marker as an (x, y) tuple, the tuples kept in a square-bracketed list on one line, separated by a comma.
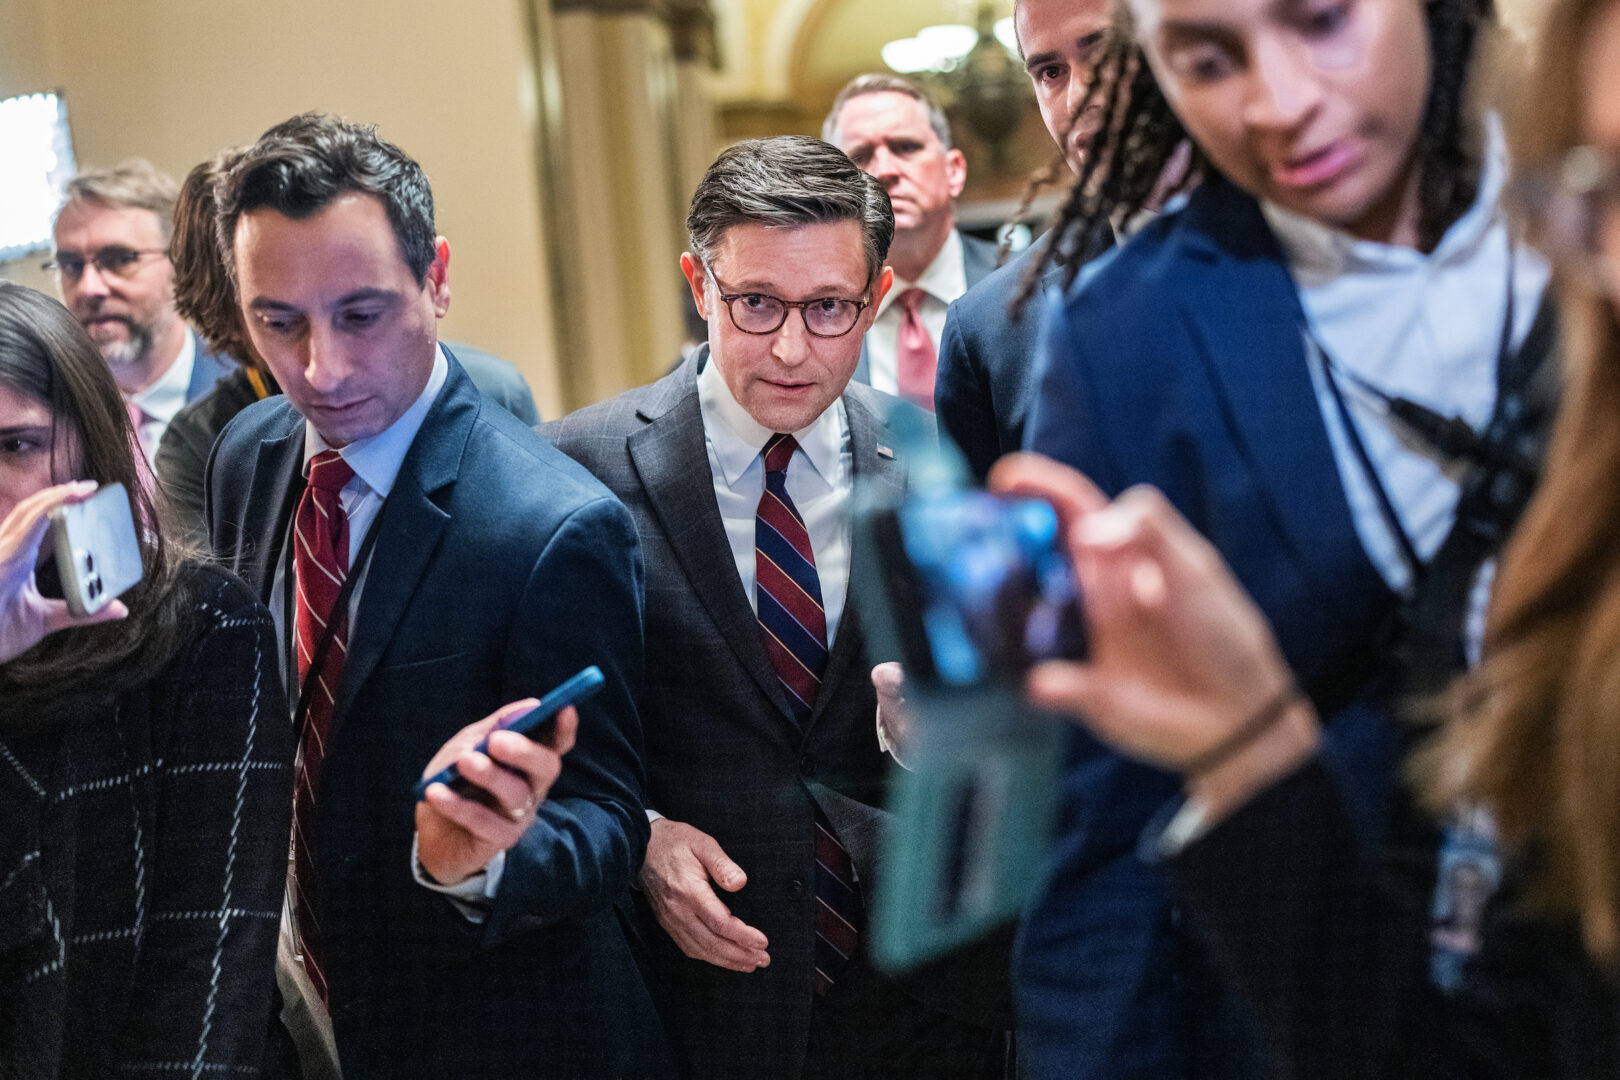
[(143, 849)]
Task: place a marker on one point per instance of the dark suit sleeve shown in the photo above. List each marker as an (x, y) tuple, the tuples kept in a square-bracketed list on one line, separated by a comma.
[(582, 606), (180, 464), (1330, 949), (962, 399), (219, 854)]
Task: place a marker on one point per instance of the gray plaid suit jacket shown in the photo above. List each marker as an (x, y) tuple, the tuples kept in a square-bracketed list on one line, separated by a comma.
[(723, 752)]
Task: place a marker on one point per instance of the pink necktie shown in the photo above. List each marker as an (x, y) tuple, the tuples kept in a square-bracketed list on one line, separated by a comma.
[(916, 352), (143, 463)]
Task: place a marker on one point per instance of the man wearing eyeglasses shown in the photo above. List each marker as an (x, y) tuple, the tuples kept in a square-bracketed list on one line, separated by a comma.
[(112, 268), (764, 772)]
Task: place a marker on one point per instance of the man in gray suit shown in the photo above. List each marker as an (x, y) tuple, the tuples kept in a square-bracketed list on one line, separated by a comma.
[(893, 129), (764, 772)]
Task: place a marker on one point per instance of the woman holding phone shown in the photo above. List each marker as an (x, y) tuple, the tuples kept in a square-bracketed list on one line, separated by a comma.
[(147, 759), (1333, 943)]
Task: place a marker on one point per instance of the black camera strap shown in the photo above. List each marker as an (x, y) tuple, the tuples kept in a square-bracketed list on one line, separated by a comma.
[(1501, 465)]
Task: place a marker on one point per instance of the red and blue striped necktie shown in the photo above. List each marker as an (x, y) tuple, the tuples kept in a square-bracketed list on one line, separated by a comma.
[(788, 593)]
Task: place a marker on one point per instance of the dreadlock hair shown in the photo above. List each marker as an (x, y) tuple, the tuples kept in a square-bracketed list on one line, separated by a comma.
[(1124, 169)]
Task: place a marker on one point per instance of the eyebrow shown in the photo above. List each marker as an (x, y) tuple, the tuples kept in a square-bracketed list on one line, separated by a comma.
[(355, 296), (1041, 59), (1194, 31), (23, 429)]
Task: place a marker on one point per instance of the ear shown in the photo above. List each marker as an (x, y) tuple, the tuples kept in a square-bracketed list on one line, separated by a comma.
[(885, 282), (438, 277), (955, 170), (697, 278)]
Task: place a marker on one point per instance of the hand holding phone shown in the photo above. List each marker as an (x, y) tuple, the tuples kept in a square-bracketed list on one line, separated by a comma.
[(98, 556), (26, 617)]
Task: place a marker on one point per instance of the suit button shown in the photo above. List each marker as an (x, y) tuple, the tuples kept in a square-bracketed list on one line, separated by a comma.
[(795, 888), (807, 765)]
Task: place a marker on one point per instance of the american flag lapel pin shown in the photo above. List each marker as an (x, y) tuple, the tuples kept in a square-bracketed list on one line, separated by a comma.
[(885, 452)]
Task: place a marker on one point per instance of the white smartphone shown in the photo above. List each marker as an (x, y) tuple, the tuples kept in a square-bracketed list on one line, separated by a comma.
[(98, 556)]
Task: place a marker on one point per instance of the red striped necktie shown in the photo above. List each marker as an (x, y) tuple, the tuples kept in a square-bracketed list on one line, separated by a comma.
[(788, 592), (320, 563)]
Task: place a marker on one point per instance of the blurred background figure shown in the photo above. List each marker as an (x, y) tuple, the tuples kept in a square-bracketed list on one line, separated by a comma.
[(112, 267), (1333, 947), (1284, 355), (148, 797), (893, 130)]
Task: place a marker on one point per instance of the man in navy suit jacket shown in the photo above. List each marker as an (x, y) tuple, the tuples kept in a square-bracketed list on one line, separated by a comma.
[(986, 353), (112, 267), (455, 937)]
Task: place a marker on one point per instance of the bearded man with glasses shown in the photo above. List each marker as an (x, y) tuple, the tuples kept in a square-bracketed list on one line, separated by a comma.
[(765, 778), (112, 269)]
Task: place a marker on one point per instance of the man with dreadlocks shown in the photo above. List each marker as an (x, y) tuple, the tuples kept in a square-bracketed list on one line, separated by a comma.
[(1323, 359)]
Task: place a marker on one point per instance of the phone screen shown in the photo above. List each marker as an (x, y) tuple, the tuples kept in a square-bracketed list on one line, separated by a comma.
[(990, 589)]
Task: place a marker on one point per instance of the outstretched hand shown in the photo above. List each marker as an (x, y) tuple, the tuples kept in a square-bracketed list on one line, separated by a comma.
[(1181, 659), (26, 617)]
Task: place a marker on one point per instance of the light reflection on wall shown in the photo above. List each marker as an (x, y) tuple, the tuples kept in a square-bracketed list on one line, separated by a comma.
[(36, 163)]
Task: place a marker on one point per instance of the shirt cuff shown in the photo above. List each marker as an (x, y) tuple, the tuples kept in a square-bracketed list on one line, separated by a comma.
[(471, 897)]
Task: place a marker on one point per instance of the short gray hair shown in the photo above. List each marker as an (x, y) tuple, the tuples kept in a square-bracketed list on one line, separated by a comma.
[(134, 184), (788, 181), (880, 83)]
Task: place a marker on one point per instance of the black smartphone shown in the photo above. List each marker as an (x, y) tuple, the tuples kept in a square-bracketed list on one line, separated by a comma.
[(979, 587), (536, 724)]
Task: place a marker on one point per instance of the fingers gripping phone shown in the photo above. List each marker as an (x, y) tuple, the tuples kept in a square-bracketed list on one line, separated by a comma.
[(98, 556), (536, 724)]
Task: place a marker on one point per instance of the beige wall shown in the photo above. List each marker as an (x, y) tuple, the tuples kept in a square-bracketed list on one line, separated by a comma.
[(174, 80)]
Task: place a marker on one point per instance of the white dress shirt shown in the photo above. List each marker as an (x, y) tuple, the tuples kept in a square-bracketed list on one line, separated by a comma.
[(820, 478), (1424, 327), (160, 401), (943, 281)]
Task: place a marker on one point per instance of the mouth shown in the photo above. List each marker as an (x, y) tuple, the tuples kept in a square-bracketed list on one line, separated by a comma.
[(1316, 169), (788, 387)]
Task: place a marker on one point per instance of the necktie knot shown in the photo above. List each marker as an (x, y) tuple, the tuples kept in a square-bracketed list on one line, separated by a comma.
[(912, 300), (328, 472), (778, 452)]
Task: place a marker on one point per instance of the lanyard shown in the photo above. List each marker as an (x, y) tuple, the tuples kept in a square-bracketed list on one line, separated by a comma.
[(295, 691), (1451, 438)]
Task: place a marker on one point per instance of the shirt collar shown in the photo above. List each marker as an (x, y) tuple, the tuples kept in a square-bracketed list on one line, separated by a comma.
[(738, 438), (376, 460), (944, 280), (167, 396), (1317, 252)]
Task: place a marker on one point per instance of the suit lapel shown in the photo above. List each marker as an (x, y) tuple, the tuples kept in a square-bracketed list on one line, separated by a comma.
[(279, 474), (409, 528), (887, 475), (671, 460), (1242, 305)]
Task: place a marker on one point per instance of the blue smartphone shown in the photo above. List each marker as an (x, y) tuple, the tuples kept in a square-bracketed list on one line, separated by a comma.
[(535, 724)]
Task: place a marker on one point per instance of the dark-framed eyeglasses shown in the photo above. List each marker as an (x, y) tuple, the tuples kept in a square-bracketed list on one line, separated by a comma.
[(762, 313), (1573, 209), (114, 260)]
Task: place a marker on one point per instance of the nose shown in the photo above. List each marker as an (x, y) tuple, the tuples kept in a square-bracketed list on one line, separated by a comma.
[(92, 283), (791, 343), (1284, 86), (884, 166), (326, 367)]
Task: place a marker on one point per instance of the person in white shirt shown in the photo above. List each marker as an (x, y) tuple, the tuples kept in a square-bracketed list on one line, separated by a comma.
[(893, 130), (112, 268)]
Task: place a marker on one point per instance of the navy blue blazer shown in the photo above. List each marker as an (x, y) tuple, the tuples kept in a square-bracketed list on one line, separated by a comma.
[(501, 568), (1179, 362), (988, 362)]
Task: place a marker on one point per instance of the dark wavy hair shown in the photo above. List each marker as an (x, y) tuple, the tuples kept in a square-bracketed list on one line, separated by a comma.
[(1139, 134), (46, 355), (204, 294), (301, 165)]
